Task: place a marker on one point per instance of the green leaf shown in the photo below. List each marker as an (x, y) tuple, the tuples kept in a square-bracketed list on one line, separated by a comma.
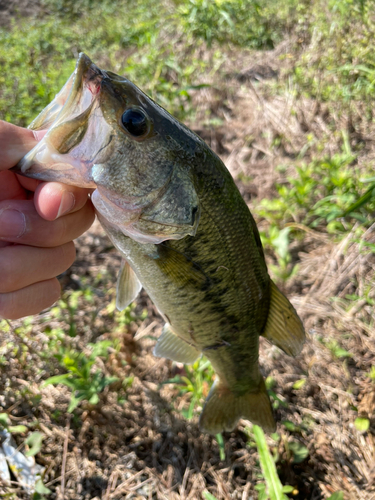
[(74, 401), (58, 379), (362, 424), (94, 399), (289, 425), (342, 353), (41, 489), (338, 495), (268, 466), (370, 193), (300, 452), (299, 383), (288, 489), (4, 420), (208, 496), (35, 442), (17, 429), (262, 493)]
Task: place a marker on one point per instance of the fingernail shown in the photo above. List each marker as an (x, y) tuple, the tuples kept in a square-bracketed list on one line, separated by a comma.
[(39, 134), (67, 203), (12, 223)]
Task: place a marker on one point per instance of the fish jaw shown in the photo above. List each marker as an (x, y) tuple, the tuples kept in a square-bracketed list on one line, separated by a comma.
[(77, 134)]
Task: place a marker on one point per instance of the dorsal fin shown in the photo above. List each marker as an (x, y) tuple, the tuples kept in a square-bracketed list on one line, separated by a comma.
[(284, 327)]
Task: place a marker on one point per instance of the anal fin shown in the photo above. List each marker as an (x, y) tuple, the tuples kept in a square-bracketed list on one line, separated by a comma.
[(128, 286), (223, 409), (284, 327), (170, 346)]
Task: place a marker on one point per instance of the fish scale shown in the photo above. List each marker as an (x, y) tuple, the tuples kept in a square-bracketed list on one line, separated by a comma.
[(185, 234)]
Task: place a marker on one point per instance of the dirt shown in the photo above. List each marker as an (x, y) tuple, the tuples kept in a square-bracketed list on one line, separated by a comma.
[(140, 446)]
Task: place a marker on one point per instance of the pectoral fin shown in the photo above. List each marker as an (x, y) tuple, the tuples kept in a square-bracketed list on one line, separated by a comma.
[(284, 327), (128, 286), (172, 347)]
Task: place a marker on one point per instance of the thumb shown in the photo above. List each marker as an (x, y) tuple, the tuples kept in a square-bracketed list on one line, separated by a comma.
[(15, 142)]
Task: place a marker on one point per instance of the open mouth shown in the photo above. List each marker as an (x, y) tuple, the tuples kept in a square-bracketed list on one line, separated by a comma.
[(74, 98), (77, 134)]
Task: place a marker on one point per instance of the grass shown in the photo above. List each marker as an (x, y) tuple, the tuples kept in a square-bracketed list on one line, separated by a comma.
[(315, 218)]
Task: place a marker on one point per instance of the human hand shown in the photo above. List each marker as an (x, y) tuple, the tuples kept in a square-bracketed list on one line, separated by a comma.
[(38, 222)]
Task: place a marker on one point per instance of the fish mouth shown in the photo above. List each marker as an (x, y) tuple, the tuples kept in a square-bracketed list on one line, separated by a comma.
[(73, 119), (77, 94)]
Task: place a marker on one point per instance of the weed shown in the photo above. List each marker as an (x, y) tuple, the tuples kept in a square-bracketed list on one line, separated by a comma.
[(338, 495), (224, 20), (13, 429), (195, 384), (220, 442), (371, 374), (85, 383), (207, 496), (362, 424), (278, 241), (336, 350), (272, 488), (276, 400), (318, 194)]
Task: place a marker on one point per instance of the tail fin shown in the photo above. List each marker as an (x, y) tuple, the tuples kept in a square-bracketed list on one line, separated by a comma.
[(223, 409), (284, 327)]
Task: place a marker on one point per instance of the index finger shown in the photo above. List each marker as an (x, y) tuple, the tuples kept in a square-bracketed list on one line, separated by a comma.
[(15, 142)]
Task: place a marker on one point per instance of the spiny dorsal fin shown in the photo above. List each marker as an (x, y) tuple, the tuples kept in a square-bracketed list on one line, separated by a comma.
[(128, 286), (223, 409), (284, 327), (172, 347)]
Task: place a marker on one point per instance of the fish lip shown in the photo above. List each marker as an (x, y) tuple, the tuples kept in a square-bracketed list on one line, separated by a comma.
[(86, 74), (78, 94), (72, 96)]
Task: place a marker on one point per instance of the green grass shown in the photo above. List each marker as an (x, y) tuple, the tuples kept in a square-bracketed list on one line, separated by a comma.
[(155, 44)]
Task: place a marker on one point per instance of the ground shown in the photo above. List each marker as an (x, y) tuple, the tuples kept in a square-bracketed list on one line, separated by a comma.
[(137, 442)]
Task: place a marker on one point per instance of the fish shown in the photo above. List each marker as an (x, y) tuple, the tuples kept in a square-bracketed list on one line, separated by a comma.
[(173, 211)]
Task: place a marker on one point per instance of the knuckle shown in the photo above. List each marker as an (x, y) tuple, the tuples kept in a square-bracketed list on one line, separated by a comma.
[(67, 254)]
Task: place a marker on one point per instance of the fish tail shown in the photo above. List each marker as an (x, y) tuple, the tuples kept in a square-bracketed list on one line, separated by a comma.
[(223, 409)]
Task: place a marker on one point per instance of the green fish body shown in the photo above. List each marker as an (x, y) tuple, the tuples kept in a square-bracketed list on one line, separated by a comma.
[(173, 211)]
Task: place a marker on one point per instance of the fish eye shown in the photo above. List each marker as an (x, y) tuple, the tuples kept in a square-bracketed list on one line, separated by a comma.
[(135, 122)]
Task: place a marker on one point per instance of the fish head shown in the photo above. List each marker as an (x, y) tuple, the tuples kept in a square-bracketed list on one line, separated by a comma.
[(103, 132)]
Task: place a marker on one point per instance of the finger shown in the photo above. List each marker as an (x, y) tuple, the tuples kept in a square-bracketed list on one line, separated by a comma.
[(29, 300), (27, 183), (22, 265), (53, 199), (20, 223), (10, 188), (15, 142)]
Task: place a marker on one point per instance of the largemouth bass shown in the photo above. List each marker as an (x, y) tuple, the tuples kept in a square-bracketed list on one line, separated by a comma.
[(173, 211)]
